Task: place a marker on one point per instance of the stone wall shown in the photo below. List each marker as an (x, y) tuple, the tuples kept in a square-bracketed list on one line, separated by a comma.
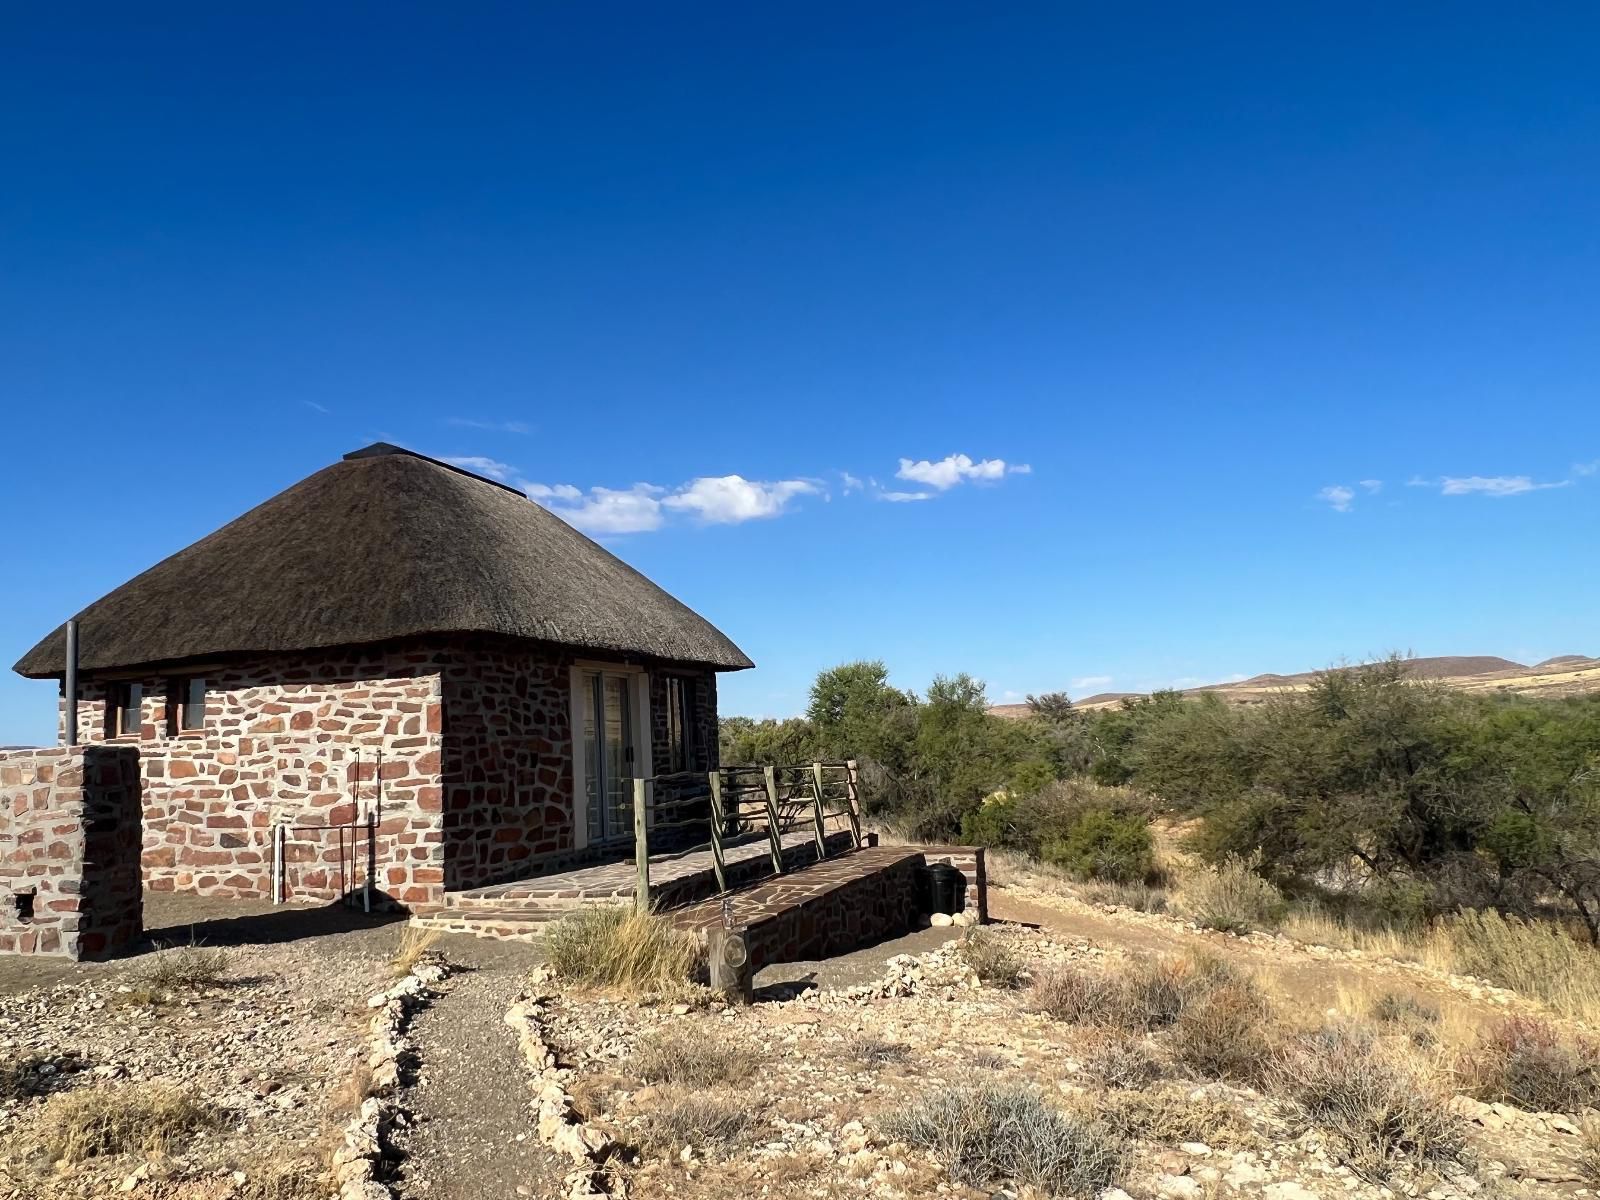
[(507, 761), (69, 851), (295, 739), (463, 747)]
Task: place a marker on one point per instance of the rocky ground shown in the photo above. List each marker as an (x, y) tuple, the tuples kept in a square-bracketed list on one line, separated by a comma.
[(826, 1070), (796, 1095)]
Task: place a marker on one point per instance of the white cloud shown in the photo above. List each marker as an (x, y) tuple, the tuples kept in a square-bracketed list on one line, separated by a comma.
[(316, 408), (491, 426), (904, 497), (730, 499), (479, 465), (602, 510), (1373, 486), (1337, 496), (1492, 485), (1588, 468), (851, 483), (1088, 682), (957, 468)]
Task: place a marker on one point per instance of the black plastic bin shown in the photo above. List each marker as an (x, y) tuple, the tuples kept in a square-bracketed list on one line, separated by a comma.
[(944, 889)]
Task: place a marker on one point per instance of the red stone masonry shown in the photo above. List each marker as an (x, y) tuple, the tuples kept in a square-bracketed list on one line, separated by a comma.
[(462, 746), (69, 851), (293, 739)]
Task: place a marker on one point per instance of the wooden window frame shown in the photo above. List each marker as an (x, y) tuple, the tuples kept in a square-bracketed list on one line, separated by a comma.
[(178, 688), (119, 701)]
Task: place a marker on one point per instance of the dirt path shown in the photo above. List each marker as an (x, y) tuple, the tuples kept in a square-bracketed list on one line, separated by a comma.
[(1310, 981), (474, 1136)]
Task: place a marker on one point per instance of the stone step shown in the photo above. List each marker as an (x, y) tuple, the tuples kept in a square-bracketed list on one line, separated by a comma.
[(508, 924), (470, 901)]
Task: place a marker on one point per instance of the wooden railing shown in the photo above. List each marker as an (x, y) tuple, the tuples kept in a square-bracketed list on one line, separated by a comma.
[(735, 803)]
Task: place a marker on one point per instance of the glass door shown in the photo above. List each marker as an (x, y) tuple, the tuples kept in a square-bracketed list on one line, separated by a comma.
[(608, 727)]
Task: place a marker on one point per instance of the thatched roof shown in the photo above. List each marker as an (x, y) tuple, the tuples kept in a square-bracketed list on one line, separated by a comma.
[(384, 544)]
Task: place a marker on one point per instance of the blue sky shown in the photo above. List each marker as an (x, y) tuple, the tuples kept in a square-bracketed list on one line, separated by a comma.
[(1269, 337)]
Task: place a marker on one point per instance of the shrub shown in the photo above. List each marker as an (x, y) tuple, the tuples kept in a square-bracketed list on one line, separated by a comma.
[(1076, 996), (992, 823), (1407, 1015), (1231, 897), (991, 958), (1225, 1032), (1118, 1060), (619, 947), (20, 1077), (678, 1117), (414, 946), (185, 968), (1103, 844), (694, 1060), (994, 1132), (137, 1119), (1529, 1063), (1386, 1111)]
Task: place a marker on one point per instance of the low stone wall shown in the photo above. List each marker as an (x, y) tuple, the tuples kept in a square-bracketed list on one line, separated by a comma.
[(69, 851), (872, 905)]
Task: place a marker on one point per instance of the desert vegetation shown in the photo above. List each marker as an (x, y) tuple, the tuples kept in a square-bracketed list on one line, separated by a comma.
[(1371, 809), (618, 947)]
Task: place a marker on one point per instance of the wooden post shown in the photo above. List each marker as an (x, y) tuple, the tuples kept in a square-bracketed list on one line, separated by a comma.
[(853, 800), (718, 820), (774, 836), (732, 972), (641, 844), (816, 810)]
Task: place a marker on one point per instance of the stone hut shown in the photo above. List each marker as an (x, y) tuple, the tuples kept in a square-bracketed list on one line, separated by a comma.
[(396, 650)]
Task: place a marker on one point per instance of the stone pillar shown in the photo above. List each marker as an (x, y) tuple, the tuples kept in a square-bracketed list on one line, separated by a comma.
[(69, 851)]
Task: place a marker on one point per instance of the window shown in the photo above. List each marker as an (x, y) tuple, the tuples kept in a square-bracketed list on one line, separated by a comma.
[(682, 728), (123, 717), (186, 705)]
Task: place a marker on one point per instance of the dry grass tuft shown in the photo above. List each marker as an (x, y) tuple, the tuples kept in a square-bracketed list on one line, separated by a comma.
[(616, 946), (353, 1088), (286, 1181), (136, 1119), (1589, 1150), (693, 1060), (875, 1052), (991, 958), (1388, 1111), (994, 1132), (1536, 958), (1168, 1118), (1532, 1064), (1231, 897), (414, 946), (191, 968), (1141, 897), (675, 1117)]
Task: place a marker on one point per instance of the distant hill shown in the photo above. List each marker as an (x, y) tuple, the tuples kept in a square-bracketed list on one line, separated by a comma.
[(1563, 675)]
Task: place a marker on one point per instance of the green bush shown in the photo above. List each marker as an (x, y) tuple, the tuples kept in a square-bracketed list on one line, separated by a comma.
[(1232, 897), (1102, 844), (992, 823)]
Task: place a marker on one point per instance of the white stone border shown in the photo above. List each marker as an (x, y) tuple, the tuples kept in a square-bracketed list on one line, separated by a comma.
[(355, 1162), (560, 1127)]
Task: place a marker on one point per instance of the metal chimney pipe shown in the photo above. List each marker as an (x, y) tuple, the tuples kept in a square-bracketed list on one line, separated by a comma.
[(70, 687)]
